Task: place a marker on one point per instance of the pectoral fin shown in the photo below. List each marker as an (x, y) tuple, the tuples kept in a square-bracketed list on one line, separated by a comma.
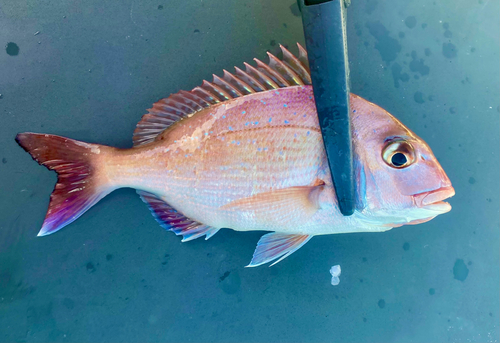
[(277, 245), (288, 206)]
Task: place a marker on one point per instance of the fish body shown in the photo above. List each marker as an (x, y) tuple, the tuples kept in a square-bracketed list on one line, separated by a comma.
[(212, 158), (257, 144)]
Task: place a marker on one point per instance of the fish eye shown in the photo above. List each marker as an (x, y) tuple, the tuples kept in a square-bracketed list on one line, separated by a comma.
[(399, 154)]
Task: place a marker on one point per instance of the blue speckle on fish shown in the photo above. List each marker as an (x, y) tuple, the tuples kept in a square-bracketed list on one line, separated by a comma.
[(285, 105), (230, 128), (286, 121), (223, 117), (256, 123), (243, 112), (270, 119)]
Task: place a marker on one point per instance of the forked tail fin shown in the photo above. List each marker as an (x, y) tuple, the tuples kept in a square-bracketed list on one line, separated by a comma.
[(79, 183)]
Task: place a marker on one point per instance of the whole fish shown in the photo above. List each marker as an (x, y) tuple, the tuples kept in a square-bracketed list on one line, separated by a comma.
[(246, 152)]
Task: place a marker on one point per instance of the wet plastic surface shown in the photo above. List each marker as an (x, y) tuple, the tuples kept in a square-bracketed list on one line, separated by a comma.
[(89, 72)]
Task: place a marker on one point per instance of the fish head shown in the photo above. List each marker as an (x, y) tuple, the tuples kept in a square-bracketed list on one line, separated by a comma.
[(400, 180)]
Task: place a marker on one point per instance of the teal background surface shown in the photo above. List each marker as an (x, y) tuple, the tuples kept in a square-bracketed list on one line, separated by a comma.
[(89, 69)]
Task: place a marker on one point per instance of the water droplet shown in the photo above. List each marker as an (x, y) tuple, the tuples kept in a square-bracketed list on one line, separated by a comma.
[(12, 49)]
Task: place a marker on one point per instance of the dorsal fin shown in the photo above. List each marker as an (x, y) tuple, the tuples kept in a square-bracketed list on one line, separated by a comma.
[(278, 73)]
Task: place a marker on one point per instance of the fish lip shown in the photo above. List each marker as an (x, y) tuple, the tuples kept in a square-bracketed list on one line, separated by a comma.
[(433, 200)]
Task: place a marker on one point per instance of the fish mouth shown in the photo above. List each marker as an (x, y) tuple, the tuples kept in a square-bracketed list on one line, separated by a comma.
[(433, 200)]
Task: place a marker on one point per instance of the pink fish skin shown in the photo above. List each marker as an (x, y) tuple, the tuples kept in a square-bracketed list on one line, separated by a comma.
[(254, 162)]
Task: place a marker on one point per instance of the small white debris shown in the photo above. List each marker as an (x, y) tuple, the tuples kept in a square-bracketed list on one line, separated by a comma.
[(335, 271), (36, 33)]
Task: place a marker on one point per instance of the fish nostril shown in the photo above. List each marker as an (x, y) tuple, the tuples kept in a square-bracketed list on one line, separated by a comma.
[(445, 183)]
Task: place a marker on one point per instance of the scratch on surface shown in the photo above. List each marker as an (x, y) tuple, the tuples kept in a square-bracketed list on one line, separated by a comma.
[(132, 15)]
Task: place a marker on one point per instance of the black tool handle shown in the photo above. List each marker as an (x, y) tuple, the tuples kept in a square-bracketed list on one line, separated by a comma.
[(326, 42)]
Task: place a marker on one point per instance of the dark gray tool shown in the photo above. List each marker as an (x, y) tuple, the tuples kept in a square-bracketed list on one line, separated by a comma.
[(326, 42)]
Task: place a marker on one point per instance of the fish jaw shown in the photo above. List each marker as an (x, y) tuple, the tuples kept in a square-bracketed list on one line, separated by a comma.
[(433, 200)]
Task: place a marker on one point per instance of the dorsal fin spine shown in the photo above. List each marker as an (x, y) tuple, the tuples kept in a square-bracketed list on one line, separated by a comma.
[(164, 104), (294, 63), (256, 85), (209, 86), (196, 99), (286, 71), (211, 99), (186, 102), (237, 82), (162, 109), (303, 58), (180, 105), (173, 104), (263, 77), (271, 73), (227, 86)]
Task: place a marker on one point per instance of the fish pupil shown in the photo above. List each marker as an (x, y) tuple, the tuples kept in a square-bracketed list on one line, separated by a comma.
[(398, 159)]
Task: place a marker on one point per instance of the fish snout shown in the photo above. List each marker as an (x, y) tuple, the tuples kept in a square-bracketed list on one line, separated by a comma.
[(433, 200)]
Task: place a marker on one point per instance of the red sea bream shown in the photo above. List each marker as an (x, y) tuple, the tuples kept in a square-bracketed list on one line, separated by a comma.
[(245, 152)]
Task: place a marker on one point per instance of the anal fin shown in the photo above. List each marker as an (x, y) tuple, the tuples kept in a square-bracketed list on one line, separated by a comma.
[(277, 245), (172, 220)]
